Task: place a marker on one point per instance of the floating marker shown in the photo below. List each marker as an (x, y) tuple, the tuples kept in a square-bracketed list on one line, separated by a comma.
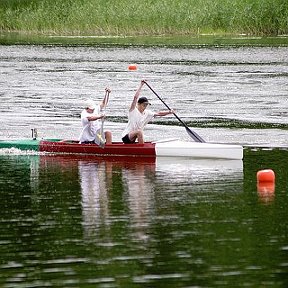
[(266, 185), (132, 67), (266, 175)]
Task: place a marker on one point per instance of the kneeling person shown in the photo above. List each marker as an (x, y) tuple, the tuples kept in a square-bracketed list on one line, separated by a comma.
[(138, 117), (91, 119)]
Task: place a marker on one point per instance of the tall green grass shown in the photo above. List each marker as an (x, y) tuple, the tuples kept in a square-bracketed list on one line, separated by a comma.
[(144, 17)]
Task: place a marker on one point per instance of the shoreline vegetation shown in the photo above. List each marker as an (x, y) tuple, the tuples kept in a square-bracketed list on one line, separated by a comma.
[(94, 20)]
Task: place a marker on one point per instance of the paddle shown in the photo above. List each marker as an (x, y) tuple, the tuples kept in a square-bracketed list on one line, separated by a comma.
[(191, 133), (100, 139)]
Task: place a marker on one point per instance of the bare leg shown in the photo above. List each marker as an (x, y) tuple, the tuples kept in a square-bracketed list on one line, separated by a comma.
[(137, 135), (108, 137)]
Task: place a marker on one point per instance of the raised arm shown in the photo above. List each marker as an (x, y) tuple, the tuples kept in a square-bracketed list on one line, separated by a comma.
[(136, 96)]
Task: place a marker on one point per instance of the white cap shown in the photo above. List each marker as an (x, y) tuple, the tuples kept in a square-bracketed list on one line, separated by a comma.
[(90, 104)]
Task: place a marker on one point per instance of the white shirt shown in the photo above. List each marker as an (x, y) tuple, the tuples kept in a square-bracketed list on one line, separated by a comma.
[(137, 120), (90, 128)]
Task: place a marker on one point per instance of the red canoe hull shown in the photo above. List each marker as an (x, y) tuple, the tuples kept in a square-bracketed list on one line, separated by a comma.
[(117, 149)]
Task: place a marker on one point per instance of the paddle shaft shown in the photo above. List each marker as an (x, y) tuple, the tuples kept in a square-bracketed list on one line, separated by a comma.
[(101, 136), (106, 99), (193, 134)]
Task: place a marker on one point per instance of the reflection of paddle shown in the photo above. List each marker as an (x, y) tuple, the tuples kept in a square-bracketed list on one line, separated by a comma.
[(100, 136), (191, 133)]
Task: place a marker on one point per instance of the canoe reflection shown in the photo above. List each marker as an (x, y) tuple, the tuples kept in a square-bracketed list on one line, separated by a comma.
[(104, 181), (95, 207), (198, 170), (112, 187)]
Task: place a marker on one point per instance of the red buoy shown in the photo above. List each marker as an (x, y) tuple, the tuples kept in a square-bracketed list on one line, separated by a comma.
[(266, 175), (132, 67)]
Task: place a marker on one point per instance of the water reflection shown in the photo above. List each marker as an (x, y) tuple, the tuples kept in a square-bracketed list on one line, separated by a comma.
[(132, 184), (189, 170), (266, 192), (105, 218), (96, 179), (137, 182), (94, 193), (138, 179)]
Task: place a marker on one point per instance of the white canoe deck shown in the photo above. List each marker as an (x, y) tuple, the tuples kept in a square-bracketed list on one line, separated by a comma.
[(180, 148)]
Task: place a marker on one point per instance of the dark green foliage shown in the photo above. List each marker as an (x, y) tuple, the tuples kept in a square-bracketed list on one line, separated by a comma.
[(134, 17)]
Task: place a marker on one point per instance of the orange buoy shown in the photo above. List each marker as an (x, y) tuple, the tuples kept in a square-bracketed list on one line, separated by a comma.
[(266, 175), (132, 67)]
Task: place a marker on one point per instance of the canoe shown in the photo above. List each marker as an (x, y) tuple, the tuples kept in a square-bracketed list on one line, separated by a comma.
[(163, 148)]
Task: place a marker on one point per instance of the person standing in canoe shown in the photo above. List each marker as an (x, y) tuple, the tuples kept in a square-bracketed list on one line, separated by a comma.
[(92, 121), (138, 117)]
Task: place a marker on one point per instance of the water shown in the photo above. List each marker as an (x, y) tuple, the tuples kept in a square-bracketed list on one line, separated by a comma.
[(88, 222), (208, 88)]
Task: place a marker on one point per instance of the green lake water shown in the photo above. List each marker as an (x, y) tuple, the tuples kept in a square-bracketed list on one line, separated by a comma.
[(78, 222)]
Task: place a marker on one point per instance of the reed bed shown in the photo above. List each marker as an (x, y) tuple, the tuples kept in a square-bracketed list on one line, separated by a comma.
[(145, 17)]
